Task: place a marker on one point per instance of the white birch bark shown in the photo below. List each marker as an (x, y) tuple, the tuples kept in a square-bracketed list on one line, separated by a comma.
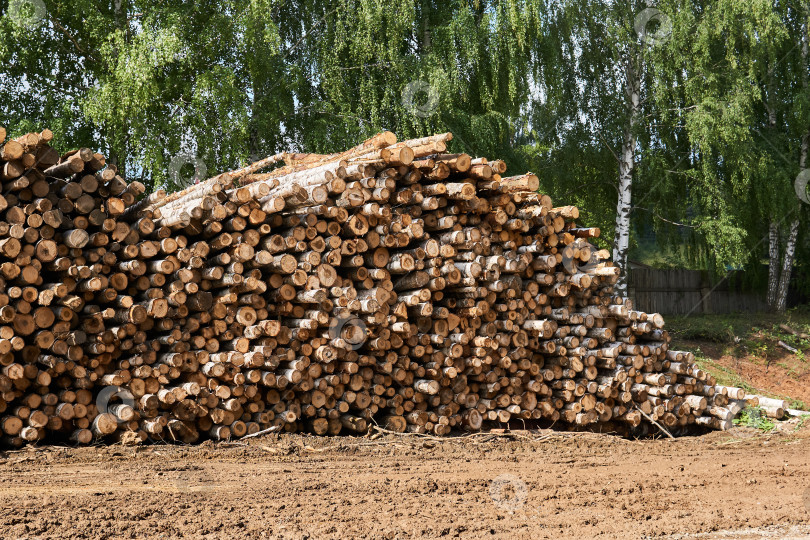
[(773, 263), (621, 239), (787, 267)]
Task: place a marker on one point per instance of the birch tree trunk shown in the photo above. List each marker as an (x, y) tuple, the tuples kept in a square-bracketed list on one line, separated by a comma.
[(787, 267), (773, 264), (621, 239), (773, 228)]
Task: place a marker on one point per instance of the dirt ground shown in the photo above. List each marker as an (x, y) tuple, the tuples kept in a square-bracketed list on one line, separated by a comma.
[(523, 484), (779, 374)]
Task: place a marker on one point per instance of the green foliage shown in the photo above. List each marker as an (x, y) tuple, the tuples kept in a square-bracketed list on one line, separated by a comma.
[(754, 417), (230, 81), (541, 84), (745, 84)]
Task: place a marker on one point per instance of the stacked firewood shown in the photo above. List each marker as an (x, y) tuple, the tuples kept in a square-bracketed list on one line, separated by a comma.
[(392, 284), (65, 304)]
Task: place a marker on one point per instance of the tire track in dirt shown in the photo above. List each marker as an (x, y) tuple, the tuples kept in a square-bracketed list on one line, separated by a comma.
[(565, 486)]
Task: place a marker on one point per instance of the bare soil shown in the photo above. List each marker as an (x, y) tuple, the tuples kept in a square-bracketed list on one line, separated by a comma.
[(778, 373), (523, 484)]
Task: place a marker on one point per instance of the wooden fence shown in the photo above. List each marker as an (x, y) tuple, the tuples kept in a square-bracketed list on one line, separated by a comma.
[(681, 292)]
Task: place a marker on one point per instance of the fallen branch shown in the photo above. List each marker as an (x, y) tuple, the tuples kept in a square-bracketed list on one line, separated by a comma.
[(788, 347), (796, 333), (662, 428), (271, 429)]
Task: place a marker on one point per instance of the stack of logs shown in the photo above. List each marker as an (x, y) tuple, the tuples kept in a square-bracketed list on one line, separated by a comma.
[(65, 307), (391, 284)]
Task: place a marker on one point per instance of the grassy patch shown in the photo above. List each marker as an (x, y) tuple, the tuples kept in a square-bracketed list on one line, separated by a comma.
[(753, 336), (756, 331), (715, 328), (724, 375), (798, 405)]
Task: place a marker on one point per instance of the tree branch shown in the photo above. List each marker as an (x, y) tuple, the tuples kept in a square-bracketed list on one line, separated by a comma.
[(78, 47), (599, 134), (659, 216)]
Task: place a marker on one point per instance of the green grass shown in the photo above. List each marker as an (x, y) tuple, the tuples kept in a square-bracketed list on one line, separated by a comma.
[(743, 334), (797, 404), (723, 375), (752, 329), (724, 328)]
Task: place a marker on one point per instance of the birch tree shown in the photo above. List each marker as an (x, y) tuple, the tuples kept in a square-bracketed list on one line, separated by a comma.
[(748, 118), (595, 85)]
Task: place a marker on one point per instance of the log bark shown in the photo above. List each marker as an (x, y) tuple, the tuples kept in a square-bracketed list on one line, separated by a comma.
[(391, 284)]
